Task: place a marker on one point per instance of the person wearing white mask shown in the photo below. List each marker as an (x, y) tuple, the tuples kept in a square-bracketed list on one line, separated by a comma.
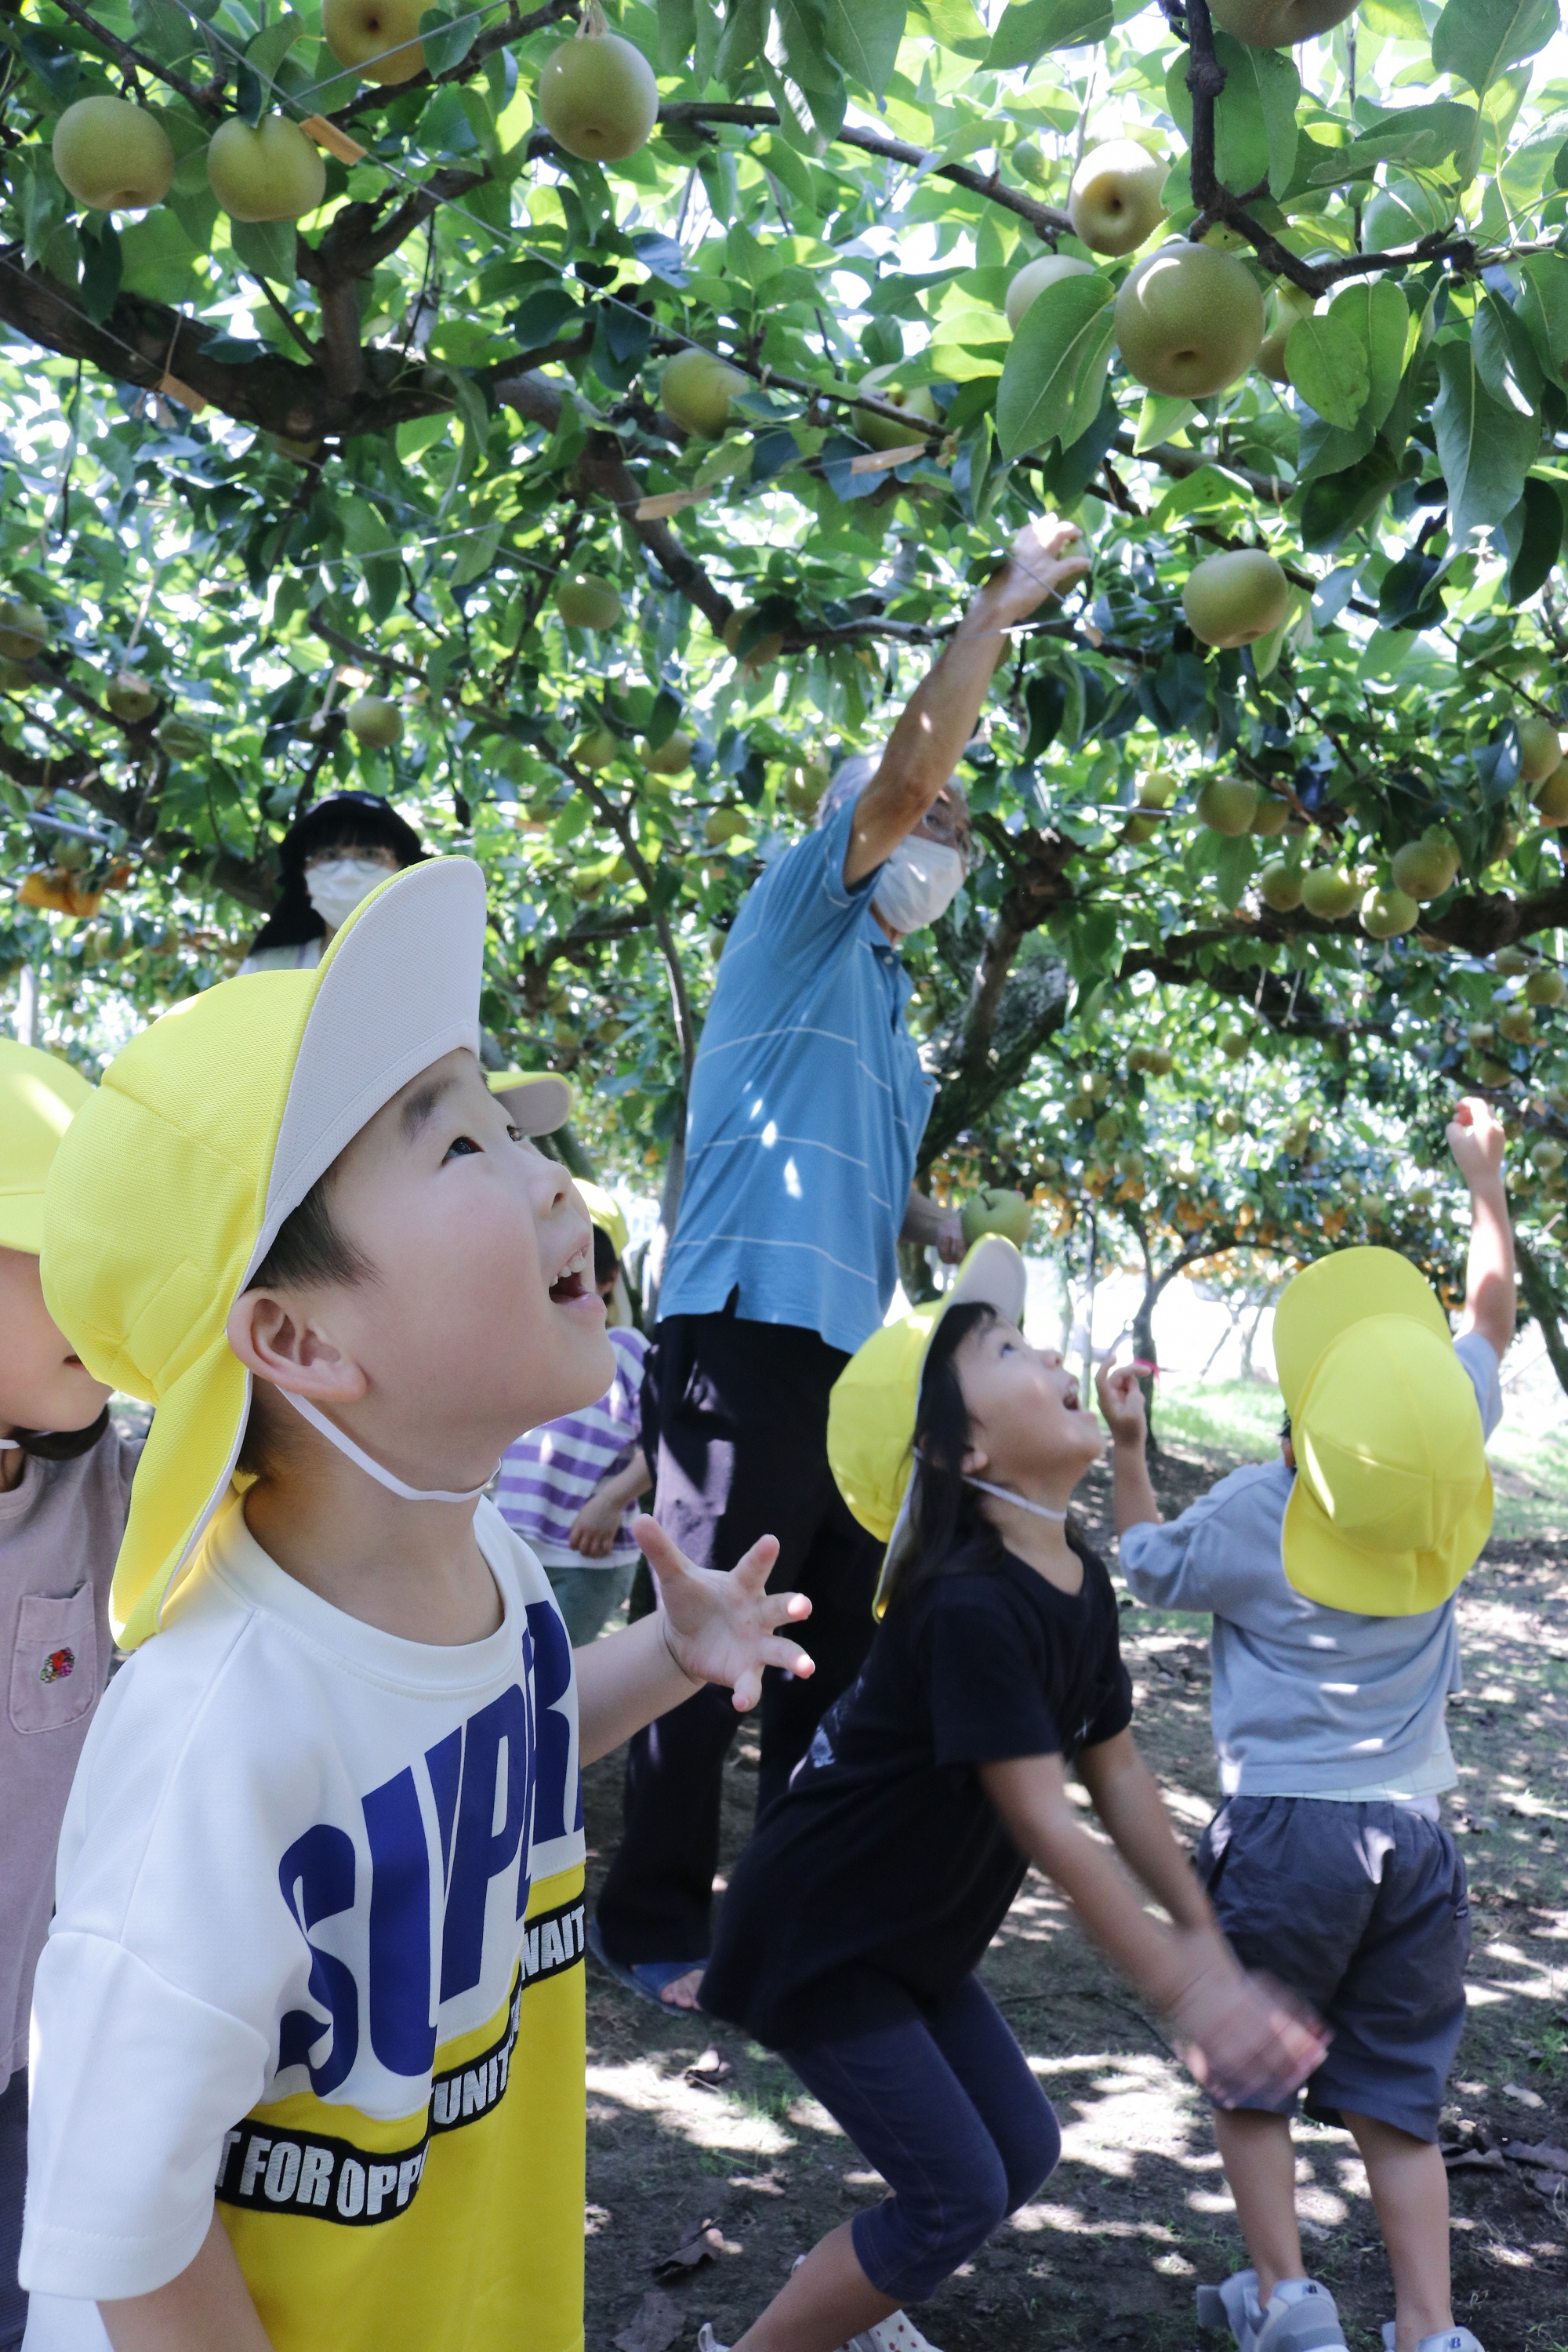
[(808, 1102), (331, 858)]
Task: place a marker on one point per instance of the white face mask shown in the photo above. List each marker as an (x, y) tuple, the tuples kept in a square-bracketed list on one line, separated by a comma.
[(335, 886), (919, 881)]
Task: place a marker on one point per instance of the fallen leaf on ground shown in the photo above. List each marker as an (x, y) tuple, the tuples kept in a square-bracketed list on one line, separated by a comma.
[(1525, 2098), (700, 2244), (1473, 2160), (1538, 2153), (706, 2074), (654, 2326)]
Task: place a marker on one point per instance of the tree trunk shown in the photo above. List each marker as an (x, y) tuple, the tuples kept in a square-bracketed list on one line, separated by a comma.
[(1248, 1341), (1542, 1298), (1143, 1348)]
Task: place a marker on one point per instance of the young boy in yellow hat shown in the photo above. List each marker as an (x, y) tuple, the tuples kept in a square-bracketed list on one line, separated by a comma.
[(65, 1484), (319, 1937), (1331, 1576)]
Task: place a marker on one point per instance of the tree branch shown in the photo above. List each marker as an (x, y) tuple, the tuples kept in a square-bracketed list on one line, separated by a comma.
[(1542, 1299), (206, 97), (513, 26)]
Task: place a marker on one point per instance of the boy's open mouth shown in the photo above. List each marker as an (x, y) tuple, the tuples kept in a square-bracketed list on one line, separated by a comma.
[(569, 1284)]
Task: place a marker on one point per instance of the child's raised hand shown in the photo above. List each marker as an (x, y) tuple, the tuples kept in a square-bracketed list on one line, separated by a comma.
[(1475, 1138), (717, 1626), (1122, 1403)]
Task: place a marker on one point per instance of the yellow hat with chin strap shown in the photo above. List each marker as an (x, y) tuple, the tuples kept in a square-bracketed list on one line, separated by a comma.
[(606, 1213), (874, 1401), (1392, 1503), (212, 1126), (39, 1097)]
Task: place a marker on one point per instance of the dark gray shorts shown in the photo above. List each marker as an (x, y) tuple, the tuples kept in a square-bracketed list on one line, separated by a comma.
[(1364, 1910)]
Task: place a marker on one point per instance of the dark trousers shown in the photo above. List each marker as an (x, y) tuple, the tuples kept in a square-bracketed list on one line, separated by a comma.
[(740, 1414), (12, 2188), (946, 2109)]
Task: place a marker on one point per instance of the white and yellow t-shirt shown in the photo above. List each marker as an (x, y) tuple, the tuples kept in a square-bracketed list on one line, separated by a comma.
[(319, 1942)]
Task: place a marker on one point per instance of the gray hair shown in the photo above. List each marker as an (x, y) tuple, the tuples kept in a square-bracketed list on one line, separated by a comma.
[(848, 781)]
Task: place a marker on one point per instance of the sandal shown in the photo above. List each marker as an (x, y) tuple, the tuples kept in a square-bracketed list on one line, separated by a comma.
[(647, 1978)]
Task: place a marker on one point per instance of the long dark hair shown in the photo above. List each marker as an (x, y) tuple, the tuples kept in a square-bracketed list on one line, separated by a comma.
[(345, 821), (948, 1530)]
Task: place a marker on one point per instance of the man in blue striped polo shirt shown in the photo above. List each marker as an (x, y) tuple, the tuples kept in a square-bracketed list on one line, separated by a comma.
[(808, 1102)]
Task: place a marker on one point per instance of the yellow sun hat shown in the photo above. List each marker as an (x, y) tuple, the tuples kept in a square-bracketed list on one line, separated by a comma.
[(39, 1097), (873, 1404), (606, 1213), (543, 1101), (171, 1184), (1392, 1503)]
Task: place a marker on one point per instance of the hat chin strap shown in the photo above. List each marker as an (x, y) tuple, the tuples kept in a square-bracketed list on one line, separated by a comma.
[(1022, 1502), (357, 1454)]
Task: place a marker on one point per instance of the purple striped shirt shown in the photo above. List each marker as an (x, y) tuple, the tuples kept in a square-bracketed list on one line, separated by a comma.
[(547, 1476)]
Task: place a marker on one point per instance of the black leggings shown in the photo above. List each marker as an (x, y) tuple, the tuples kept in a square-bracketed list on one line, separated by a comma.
[(946, 2109)]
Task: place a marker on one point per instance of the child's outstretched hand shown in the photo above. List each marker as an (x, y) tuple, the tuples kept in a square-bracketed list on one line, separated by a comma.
[(1122, 1403), (1476, 1140), (1246, 2039), (718, 1627)]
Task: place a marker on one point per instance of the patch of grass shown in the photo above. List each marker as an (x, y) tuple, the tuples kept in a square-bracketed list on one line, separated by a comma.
[(1234, 1418)]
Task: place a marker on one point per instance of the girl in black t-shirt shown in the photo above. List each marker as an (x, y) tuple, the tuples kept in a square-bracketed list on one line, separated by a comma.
[(858, 1913)]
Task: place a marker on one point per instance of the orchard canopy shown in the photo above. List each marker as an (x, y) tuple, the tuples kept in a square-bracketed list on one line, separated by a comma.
[(383, 407)]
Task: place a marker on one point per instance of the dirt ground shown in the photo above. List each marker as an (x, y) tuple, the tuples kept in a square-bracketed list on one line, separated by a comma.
[(1138, 2212)]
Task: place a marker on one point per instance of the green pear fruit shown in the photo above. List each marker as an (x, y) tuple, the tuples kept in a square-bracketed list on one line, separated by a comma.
[(1479, 1035), (1278, 24), (1189, 321), (759, 656), (1139, 828), (1547, 1154), (1236, 598), (995, 1210), (672, 757), (596, 749), (598, 98), (1496, 1074), (880, 432), (1236, 1045), (805, 785), (374, 720), (588, 602), (1279, 886), (1517, 1024), (130, 697), (1291, 303), (1271, 815), (1424, 869), (1228, 803), (1550, 800), (1327, 893), (1539, 749), (1546, 986), (1114, 201), (1158, 789), (1512, 962), (378, 36), (24, 631), (1384, 914), (724, 825), (270, 173), (1229, 1121), (695, 392), (112, 157), (181, 738), (1035, 276)]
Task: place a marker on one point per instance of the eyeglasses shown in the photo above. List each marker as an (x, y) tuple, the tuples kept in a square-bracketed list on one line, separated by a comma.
[(942, 823)]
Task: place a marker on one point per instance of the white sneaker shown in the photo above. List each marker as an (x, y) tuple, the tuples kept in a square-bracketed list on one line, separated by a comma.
[(1448, 2339), (1308, 2323), (706, 2341), (897, 2333)]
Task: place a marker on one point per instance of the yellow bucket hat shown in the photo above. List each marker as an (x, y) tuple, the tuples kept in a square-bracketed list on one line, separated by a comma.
[(39, 1097), (605, 1212), (873, 1407), (1393, 1500), (206, 1133)]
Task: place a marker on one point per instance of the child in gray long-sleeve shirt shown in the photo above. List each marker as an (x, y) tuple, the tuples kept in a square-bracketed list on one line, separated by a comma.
[(1331, 1576)]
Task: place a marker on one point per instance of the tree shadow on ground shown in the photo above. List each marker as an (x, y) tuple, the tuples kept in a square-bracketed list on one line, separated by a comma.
[(1138, 2213)]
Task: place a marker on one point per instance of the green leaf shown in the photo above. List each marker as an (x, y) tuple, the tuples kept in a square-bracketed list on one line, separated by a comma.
[(1030, 27), (1485, 450), (1425, 136), (863, 36), (1332, 508), (267, 249), (157, 258), (1055, 365), (677, 33), (1377, 314), (272, 45), (1544, 306), (741, 43), (1255, 115), (1534, 535), (1505, 355), (1478, 39), (1161, 415), (1330, 367), (448, 38)]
